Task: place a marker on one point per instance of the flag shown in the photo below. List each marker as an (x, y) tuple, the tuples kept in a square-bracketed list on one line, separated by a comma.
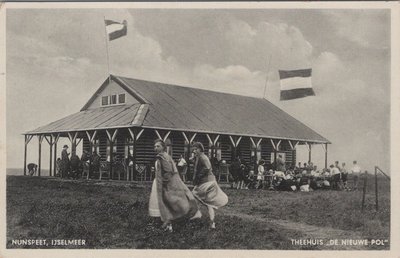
[(295, 84), (115, 29)]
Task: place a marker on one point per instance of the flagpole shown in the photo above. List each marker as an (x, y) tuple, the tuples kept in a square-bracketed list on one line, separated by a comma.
[(266, 79), (108, 57)]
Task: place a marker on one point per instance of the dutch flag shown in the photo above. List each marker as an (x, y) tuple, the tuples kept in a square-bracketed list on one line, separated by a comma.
[(295, 84), (115, 29)]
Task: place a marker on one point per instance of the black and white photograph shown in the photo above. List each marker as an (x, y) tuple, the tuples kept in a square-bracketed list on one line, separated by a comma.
[(200, 126)]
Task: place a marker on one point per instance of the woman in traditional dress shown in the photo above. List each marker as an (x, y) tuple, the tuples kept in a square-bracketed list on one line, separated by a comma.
[(170, 198), (206, 188)]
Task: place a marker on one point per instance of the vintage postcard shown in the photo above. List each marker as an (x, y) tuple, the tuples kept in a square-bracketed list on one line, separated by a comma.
[(192, 129)]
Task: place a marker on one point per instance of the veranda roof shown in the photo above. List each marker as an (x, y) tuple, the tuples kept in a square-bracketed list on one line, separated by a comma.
[(94, 119)]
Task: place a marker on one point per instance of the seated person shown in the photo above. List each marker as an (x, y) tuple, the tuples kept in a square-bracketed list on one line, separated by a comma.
[(58, 167), (85, 156), (303, 180), (95, 162), (313, 171), (75, 166), (278, 183), (279, 174), (248, 178), (314, 183), (287, 184), (32, 168), (326, 173), (269, 179), (289, 177), (305, 188)]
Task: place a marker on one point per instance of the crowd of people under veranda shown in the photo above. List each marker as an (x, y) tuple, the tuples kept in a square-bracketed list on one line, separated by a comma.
[(305, 178), (242, 175)]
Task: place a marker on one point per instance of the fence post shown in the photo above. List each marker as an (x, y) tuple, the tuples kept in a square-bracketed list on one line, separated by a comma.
[(364, 190), (376, 189)]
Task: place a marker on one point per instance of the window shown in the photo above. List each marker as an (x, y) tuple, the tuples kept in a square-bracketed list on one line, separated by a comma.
[(104, 101), (108, 153), (128, 147), (218, 151), (186, 150), (121, 98), (96, 146), (256, 152), (168, 143), (113, 100), (273, 156)]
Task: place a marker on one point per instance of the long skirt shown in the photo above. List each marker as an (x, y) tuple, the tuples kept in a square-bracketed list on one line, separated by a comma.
[(171, 200), (154, 210), (210, 194)]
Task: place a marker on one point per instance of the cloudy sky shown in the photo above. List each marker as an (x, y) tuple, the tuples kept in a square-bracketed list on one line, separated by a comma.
[(56, 59)]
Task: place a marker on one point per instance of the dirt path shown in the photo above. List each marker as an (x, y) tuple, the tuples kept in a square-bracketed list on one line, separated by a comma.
[(309, 231)]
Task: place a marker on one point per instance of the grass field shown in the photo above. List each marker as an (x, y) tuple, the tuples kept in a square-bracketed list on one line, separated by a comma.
[(114, 215)]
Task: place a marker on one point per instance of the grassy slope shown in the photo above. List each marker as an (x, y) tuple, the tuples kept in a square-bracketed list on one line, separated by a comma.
[(115, 216)]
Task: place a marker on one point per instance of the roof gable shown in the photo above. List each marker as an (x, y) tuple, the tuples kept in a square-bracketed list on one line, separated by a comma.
[(115, 86)]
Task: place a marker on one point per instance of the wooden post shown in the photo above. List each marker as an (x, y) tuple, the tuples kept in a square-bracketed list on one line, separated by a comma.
[(293, 149), (111, 158), (25, 152), (72, 138), (326, 155), (51, 155), (111, 139), (273, 164), (73, 147), (364, 190), (188, 172), (134, 157), (309, 152), (189, 138), (90, 159), (255, 161), (233, 152), (55, 156), (376, 190), (40, 154), (293, 165), (91, 139)]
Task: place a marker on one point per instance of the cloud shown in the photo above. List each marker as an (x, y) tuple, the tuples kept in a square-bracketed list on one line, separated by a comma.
[(140, 56), (366, 28), (328, 72), (232, 72), (45, 55), (283, 43), (236, 79)]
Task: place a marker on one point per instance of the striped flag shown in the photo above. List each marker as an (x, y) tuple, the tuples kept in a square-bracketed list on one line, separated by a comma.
[(115, 29), (295, 84)]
